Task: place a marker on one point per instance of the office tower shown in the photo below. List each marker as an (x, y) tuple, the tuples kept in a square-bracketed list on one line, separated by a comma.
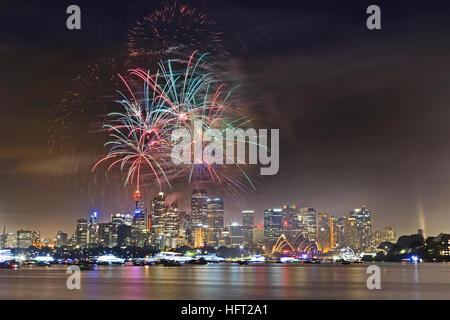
[(389, 235), (340, 232), (81, 233), (291, 225), (61, 239), (10, 240), (24, 239), (309, 218), (170, 220), (123, 235), (140, 219), (158, 209), (36, 239), (273, 226), (323, 232), (118, 219), (334, 232), (199, 207), (215, 212), (93, 230), (199, 236), (351, 238), (247, 225), (363, 227), (107, 235), (258, 236), (236, 235)]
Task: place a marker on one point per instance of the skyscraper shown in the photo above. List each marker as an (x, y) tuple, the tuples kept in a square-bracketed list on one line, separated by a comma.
[(158, 209), (273, 226), (247, 226), (309, 218), (61, 238), (363, 227), (215, 212), (24, 239), (323, 231), (81, 233), (93, 230), (170, 220), (351, 238), (199, 207), (107, 235), (258, 236)]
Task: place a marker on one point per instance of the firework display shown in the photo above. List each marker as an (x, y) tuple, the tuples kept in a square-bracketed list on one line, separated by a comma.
[(180, 94)]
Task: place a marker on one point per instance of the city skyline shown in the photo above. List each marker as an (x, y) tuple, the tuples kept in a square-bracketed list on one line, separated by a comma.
[(359, 122)]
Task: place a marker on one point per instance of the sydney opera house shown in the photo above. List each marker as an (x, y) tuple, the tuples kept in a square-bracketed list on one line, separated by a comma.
[(294, 245)]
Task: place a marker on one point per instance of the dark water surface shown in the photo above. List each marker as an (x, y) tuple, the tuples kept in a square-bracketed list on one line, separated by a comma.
[(230, 281)]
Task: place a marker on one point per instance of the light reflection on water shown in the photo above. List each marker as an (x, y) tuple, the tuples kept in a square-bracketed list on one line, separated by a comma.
[(230, 281)]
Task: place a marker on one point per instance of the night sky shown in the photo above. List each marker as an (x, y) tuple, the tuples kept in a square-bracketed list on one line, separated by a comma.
[(364, 116)]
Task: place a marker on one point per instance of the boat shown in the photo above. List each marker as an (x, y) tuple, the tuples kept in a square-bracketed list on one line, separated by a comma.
[(243, 262), (201, 261), (345, 262), (171, 263), (9, 265)]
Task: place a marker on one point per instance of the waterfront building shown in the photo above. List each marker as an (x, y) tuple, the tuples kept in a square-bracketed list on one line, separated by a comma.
[(36, 239), (309, 218), (107, 235), (24, 239), (61, 239), (124, 235), (351, 238), (273, 226), (200, 236), (323, 232), (247, 225), (170, 220), (157, 213), (10, 240), (93, 230), (258, 236), (81, 233), (236, 235), (363, 227), (215, 212), (199, 207)]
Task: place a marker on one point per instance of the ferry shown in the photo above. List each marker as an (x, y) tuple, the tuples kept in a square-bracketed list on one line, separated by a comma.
[(109, 259), (171, 256)]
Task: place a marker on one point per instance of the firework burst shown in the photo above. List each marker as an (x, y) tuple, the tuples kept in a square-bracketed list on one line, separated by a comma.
[(181, 94)]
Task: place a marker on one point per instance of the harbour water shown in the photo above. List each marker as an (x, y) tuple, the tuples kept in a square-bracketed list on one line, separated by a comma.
[(230, 281)]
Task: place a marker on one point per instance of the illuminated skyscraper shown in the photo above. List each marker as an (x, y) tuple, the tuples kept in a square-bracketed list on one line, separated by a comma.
[(215, 223), (81, 233), (36, 239), (351, 238), (158, 210), (236, 235), (323, 231), (290, 218), (107, 235), (363, 227), (247, 225), (273, 226), (258, 236), (10, 240), (24, 239), (170, 220), (93, 229), (61, 238), (309, 217), (199, 207)]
